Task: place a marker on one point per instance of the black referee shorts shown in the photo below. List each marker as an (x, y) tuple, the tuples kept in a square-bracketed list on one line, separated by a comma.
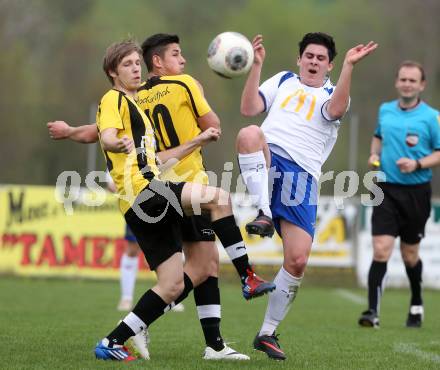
[(403, 212), (155, 221)]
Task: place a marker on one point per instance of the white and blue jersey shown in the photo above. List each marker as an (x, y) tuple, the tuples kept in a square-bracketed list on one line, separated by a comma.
[(413, 133), (297, 120), (297, 129)]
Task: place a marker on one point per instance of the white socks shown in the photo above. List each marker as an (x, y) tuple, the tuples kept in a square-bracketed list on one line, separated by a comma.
[(128, 270), (280, 300), (134, 322), (255, 176)]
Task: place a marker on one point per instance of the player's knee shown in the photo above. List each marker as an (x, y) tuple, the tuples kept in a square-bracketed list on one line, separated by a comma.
[(204, 270), (214, 267), (211, 268), (410, 259), (132, 249), (249, 138), (382, 249), (380, 252), (296, 265)]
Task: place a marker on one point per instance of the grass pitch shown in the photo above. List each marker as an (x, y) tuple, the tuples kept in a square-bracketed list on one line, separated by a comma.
[(54, 324)]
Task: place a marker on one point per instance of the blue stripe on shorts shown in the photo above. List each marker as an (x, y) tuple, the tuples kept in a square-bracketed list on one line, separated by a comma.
[(129, 236), (294, 194)]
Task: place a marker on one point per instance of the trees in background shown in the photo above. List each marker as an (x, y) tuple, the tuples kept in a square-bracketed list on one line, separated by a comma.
[(51, 63)]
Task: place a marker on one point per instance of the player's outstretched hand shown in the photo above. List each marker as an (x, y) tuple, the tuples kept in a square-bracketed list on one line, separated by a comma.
[(259, 51), (58, 130), (125, 144), (359, 52), (209, 135), (406, 165)]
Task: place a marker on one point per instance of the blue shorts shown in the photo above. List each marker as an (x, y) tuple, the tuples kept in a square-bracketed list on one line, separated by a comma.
[(294, 194), (129, 236)]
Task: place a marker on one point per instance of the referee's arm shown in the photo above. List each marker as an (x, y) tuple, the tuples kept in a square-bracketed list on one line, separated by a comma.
[(375, 150), (431, 160)]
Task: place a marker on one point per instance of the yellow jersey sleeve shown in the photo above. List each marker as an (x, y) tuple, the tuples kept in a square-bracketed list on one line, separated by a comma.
[(194, 94), (109, 115)]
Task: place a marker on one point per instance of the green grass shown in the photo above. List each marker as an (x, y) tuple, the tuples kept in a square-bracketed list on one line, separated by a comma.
[(54, 324)]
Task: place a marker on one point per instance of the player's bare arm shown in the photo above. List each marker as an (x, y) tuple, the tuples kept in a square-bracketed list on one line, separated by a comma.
[(208, 136), (338, 104), (60, 130), (112, 143), (251, 101), (209, 120)]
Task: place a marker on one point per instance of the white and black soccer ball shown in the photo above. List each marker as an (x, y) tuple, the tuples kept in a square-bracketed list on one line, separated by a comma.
[(230, 54)]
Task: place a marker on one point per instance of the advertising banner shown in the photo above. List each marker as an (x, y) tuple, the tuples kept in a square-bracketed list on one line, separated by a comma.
[(38, 237), (334, 236)]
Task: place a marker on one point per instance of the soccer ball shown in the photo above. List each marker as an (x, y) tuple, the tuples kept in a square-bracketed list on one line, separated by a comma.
[(230, 54)]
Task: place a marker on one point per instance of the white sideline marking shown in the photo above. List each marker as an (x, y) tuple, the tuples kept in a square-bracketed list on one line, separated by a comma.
[(352, 297), (411, 349)]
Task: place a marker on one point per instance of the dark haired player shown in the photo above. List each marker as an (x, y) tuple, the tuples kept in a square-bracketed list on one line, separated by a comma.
[(295, 139)]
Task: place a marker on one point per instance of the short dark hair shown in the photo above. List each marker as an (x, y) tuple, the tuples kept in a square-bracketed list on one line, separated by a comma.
[(412, 63), (318, 38), (156, 45), (115, 53)]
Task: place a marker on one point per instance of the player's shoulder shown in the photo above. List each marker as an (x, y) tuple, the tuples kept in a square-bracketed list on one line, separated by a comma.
[(430, 111), (183, 79), (391, 105), (432, 115), (112, 97), (178, 82), (285, 77), (111, 94), (328, 87)]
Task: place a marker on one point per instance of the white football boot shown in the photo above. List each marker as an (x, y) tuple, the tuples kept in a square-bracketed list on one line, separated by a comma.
[(139, 344), (226, 353)]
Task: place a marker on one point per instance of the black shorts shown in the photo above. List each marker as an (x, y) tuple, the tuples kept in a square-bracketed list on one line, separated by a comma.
[(156, 222), (197, 229), (403, 212)]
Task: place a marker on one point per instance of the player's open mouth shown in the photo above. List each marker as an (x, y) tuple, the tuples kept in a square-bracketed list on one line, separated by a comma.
[(313, 71)]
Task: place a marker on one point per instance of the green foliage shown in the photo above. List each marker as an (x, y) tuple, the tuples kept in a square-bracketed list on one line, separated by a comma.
[(52, 51)]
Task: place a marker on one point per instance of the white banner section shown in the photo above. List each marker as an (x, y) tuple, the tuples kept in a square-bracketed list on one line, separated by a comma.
[(396, 274), (333, 243)]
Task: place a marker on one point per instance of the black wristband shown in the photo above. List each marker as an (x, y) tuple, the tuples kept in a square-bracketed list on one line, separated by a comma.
[(419, 165)]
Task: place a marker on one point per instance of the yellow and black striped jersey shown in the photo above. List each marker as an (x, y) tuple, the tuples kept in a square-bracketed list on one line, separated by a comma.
[(173, 104), (130, 172)]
